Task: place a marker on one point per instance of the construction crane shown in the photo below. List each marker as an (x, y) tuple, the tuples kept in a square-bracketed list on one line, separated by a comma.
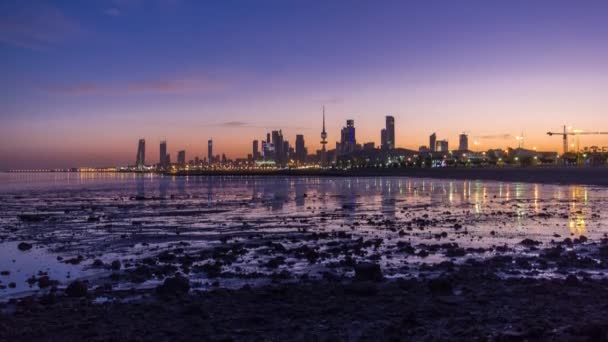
[(565, 135)]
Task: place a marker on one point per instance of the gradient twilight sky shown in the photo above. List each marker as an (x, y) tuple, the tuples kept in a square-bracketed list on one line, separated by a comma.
[(82, 81)]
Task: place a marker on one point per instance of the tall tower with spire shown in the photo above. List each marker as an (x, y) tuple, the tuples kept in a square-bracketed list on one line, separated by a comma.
[(323, 142)]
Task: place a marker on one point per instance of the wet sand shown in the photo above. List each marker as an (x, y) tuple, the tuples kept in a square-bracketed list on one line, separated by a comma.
[(540, 175), (301, 258), (462, 302)]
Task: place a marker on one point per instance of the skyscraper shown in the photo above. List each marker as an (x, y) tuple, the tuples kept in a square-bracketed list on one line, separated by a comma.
[(277, 142), (162, 161), (383, 138), (390, 132), (210, 151), (300, 149), (463, 142), (256, 151), (348, 140), (432, 142), (181, 158), (141, 154)]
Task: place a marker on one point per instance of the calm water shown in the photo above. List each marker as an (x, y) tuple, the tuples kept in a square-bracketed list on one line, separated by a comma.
[(111, 216)]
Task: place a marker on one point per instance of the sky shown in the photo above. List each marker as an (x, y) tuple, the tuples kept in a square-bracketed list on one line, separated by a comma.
[(82, 81)]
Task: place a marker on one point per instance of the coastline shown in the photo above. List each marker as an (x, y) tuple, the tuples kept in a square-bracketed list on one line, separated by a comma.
[(541, 175)]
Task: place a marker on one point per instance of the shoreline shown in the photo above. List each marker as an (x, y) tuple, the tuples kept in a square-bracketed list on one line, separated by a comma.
[(553, 175)]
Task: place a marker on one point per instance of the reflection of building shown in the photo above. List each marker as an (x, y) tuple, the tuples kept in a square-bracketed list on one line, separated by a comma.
[(181, 158), (441, 146), (210, 151), (463, 142), (141, 154), (433, 142), (163, 153)]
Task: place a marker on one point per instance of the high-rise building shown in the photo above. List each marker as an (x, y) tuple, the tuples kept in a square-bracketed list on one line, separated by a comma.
[(256, 152), (141, 154), (279, 152), (390, 132), (463, 144), (300, 149), (210, 151), (442, 146), (162, 161), (181, 158), (383, 138), (286, 150), (348, 140), (433, 142)]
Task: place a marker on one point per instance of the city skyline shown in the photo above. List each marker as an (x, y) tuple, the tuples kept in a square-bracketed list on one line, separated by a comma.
[(83, 82)]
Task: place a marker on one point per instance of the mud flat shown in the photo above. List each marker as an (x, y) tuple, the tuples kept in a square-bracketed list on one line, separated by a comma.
[(302, 258), (471, 301)]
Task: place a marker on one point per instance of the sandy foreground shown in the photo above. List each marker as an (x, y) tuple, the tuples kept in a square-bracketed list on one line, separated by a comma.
[(499, 298)]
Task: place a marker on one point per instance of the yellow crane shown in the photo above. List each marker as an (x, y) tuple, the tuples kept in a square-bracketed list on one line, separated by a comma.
[(566, 133)]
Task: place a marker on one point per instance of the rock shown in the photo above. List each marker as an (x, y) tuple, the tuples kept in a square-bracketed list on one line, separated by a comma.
[(530, 243), (12, 285), (177, 285), (97, 263), (116, 265), (24, 246), (44, 282), (5, 273), (367, 271), (77, 289)]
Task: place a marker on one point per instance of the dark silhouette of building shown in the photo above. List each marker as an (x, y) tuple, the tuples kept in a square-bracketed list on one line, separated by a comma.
[(383, 138), (162, 161), (442, 146), (256, 151), (279, 147), (370, 146), (348, 140), (181, 158), (210, 151), (140, 161), (300, 149), (433, 142), (463, 142), (390, 132)]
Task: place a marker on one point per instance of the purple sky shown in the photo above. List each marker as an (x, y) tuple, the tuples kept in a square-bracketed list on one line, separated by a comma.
[(82, 81)]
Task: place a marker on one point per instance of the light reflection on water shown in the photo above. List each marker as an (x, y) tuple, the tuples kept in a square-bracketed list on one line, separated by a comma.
[(193, 208), (295, 194)]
